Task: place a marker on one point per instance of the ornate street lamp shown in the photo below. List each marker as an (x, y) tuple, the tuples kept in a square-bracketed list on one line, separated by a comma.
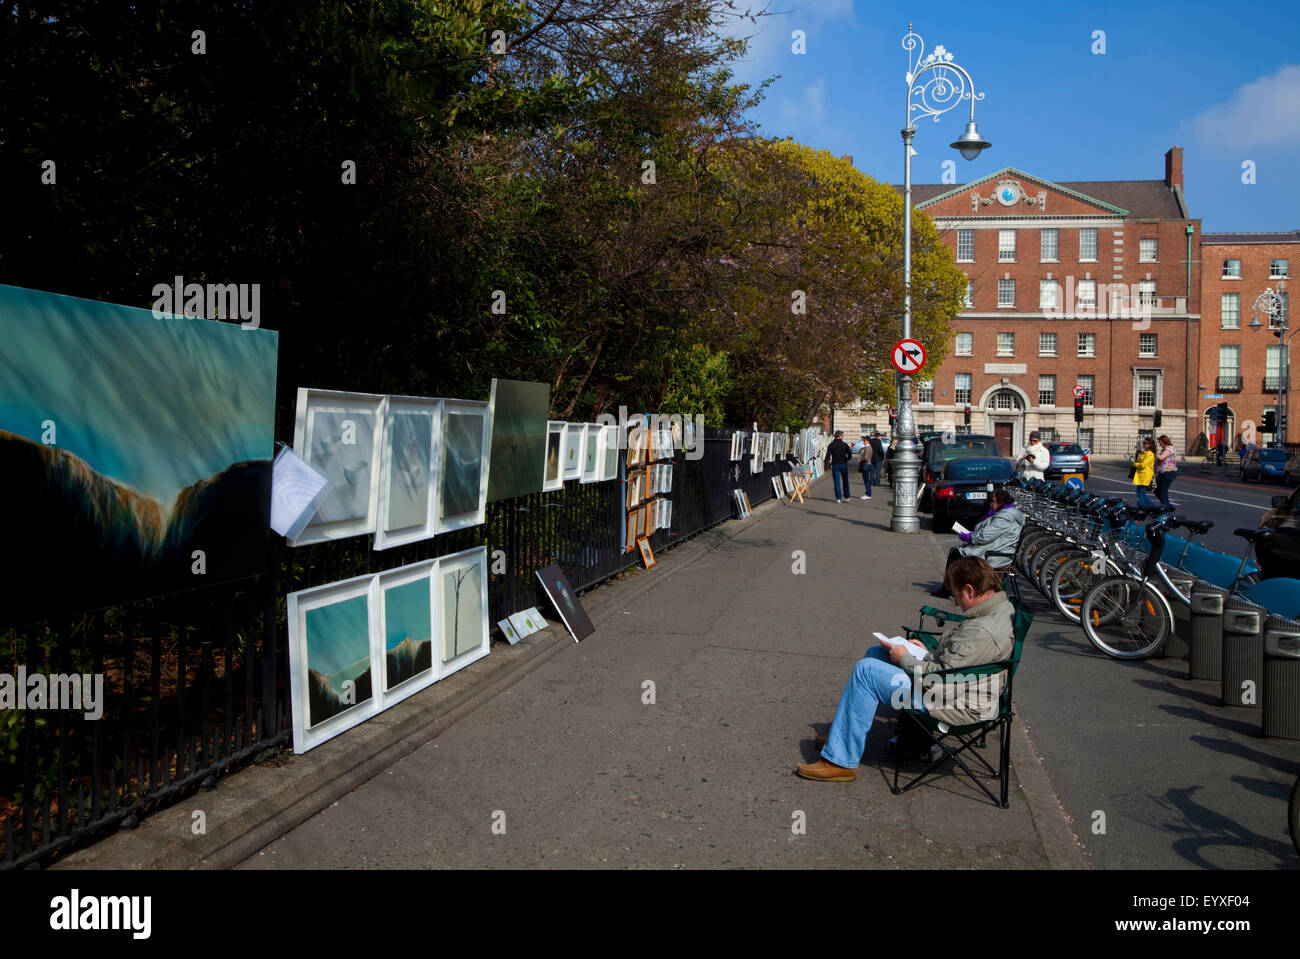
[(1272, 305), (935, 85)]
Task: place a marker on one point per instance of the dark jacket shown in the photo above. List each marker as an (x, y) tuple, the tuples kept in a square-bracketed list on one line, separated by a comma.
[(877, 450), (838, 453)]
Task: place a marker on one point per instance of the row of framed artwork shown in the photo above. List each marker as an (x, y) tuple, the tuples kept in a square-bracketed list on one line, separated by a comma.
[(650, 481), (359, 646), (518, 625), (740, 502), (587, 452), (402, 467), (655, 515)]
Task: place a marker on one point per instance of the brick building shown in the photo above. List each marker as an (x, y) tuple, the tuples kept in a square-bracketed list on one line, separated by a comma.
[(1081, 283), (1245, 366)]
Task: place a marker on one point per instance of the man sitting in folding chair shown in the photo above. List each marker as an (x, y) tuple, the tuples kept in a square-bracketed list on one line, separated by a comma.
[(884, 676)]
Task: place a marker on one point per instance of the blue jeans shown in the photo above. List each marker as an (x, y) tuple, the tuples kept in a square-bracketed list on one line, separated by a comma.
[(866, 479), (840, 473), (1163, 482), (1142, 497), (875, 472), (874, 683)]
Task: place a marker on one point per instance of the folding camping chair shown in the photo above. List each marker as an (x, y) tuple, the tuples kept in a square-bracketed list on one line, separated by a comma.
[(913, 723)]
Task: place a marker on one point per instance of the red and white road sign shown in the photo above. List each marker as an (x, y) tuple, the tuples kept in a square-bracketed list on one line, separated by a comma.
[(909, 356), (1078, 392), (893, 411)]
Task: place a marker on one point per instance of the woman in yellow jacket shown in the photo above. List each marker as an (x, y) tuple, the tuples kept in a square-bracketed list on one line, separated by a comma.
[(1144, 465)]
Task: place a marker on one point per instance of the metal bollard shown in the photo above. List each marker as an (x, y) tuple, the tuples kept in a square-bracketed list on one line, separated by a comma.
[(1176, 645), (1242, 667), (1205, 646), (1281, 692)]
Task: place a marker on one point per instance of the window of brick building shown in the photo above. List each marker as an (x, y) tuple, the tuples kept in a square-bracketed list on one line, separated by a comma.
[(1146, 344), (1275, 368), (1047, 434), (1232, 269), (1279, 269), (1047, 389), (965, 246), (1085, 295), (1147, 291), (1047, 295), (1087, 344), (1007, 246), (1089, 384), (1146, 390), (970, 294), (1006, 292), (1006, 344), (965, 344), (961, 386), (1147, 250), (1230, 311), (1051, 240), (1087, 244), (1046, 344), (925, 392), (1085, 437), (1229, 368)]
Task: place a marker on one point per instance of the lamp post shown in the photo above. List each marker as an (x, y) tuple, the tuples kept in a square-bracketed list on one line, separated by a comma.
[(1271, 303), (935, 85)]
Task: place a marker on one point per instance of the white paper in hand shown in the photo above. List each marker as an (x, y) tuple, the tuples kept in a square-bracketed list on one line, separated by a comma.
[(958, 528), (916, 649)]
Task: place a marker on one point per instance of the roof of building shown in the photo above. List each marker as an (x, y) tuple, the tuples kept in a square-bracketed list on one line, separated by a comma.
[(1141, 199), (1286, 236)]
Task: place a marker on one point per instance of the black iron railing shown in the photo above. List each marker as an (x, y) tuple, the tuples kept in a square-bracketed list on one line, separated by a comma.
[(195, 684)]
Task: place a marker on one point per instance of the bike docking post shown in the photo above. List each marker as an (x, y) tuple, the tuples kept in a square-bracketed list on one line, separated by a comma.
[(1281, 691), (1176, 645), (1242, 668), (1205, 645)]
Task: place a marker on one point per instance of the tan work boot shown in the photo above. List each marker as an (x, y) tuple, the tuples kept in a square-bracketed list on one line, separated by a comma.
[(823, 771)]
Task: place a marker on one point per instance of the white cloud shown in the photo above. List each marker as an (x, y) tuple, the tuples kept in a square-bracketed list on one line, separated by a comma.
[(769, 41), (1261, 114), (810, 106)]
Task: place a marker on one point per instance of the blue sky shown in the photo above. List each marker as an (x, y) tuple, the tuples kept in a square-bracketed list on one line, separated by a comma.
[(1221, 81)]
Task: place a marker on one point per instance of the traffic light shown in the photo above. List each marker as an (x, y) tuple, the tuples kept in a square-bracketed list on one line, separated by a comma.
[(967, 414), (1270, 422), (1078, 409), (1155, 418)]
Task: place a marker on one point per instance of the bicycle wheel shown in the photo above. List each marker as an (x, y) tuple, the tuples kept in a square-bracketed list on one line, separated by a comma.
[(1043, 557), (1125, 618), (1047, 570), (1031, 548), (1073, 577)]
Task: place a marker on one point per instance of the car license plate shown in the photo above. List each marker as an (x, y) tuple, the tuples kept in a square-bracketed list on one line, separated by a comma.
[(982, 494)]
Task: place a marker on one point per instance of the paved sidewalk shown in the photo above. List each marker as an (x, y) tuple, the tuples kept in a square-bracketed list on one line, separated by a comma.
[(747, 659)]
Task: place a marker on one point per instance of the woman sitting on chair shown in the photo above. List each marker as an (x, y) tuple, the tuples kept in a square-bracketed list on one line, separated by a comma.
[(885, 675), (997, 532)]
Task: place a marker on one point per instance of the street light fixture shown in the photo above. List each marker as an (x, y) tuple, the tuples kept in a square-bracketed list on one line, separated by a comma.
[(935, 85)]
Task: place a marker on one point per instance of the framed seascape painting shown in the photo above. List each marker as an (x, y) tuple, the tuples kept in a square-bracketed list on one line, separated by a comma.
[(608, 452), (590, 453), (130, 443), (553, 474), (465, 433), (340, 435), (573, 450), (408, 471), (331, 661), (406, 601), (463, 620)]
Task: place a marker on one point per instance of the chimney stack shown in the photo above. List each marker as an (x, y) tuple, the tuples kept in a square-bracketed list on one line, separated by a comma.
[(848, 157), (1174, 168)]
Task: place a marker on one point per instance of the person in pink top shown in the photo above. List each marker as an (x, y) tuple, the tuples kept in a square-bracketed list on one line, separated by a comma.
[(1166, 470)]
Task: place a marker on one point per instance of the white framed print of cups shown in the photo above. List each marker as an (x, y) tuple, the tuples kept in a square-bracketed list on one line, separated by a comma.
[(571, 464), (508, 631), (538, 619), (340, 436), (607, 451), (463, 609), (331, 660), (409, 471), (466, 430), (590, 453), (406, 603), (553, 473)]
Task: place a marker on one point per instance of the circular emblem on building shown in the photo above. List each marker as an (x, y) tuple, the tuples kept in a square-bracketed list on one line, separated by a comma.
[(1008, 193)]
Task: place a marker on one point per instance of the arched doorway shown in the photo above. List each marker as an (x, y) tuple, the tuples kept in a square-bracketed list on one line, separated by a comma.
[(1004, 413), (1220, 433)]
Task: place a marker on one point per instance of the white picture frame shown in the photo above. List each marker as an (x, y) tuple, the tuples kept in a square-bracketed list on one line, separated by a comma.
[(571, 453), (668, 514), (537, 617), (425, 573), (467, 423), (522, 623), (456, 573), (608, 452), (668, 478), (553, 479), (340, 435), (591, 458), (422, 490), (508, 631)]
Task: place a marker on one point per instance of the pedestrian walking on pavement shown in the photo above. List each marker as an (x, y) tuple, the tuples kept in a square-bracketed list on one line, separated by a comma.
[(885, 676), (1144, 472), (838, 455), (1034, 458), (1166, 470), (877, 458), (864, 468)]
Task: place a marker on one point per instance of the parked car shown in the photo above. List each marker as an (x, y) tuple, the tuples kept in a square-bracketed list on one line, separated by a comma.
[(1066, 458), (961, 493), (1291, 475), (1285, 513), (1266, 463), (937, 454)]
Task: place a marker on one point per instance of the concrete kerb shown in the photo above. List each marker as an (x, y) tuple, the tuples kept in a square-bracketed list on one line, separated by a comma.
[(1050, 820), (253, 807)]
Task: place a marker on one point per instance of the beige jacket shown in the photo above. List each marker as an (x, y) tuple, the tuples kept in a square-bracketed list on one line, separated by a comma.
[(986, 635)]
